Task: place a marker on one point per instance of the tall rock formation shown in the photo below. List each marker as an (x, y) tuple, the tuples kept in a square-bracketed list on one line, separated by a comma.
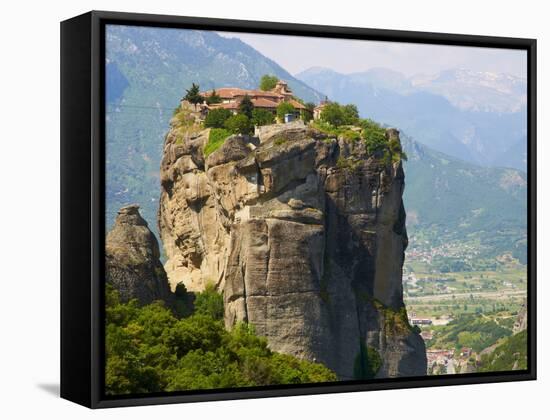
[(132, 259), (304, 234)]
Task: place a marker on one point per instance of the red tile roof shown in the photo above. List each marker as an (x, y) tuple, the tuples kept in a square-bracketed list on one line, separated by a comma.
[(264, 103), (260, 98), (296, 104), (226, 93), (229, 105)]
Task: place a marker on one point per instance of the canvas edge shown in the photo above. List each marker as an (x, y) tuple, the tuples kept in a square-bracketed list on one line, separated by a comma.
[(92, 331)]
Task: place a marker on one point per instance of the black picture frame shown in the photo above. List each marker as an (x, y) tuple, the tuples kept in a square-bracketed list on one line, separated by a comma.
[(83, 215)]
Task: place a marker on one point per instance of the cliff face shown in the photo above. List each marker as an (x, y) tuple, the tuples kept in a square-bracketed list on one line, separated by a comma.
[(304, 234), (132, 259)]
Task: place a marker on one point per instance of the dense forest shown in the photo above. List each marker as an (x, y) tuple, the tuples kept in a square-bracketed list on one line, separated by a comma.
[(157, 348)]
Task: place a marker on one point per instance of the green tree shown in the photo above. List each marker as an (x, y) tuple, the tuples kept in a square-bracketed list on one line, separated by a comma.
[(268, 82), (216, 118), (333, 114), (239, 124), (262, 117), (374, 136), (183, 301), (375, 145), (193, 95), (213, 98), (307, 114), (209, 302), (246, 106), (284, 108), (351, 114)]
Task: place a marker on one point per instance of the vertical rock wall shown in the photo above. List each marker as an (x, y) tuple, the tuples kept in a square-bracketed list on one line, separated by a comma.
[(304, 234)]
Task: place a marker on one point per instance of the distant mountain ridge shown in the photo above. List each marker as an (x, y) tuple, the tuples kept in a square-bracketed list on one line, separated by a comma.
[(453, 200), (149, 70), (476, 91), (478, 117)]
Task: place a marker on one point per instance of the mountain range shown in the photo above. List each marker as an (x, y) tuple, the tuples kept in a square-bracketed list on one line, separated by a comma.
[(450, 143), (450, 200), (479, 117)]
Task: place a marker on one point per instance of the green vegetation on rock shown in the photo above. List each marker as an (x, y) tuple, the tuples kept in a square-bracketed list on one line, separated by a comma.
[(216, 138), (374, 135), (367, 362), (183, 124), (337, 115)]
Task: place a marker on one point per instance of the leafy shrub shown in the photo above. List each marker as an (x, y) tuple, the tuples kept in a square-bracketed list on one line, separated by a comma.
[(326, 128), (307, 114), (216, 118), (284, 108), (209, 302), (182, 118), (238, 124), (262, 117), (376, 145), (351, 114), (216, 138), (367, 363), (374, 135), (345, 132), (338, 115), (351, 135), (333, 114)]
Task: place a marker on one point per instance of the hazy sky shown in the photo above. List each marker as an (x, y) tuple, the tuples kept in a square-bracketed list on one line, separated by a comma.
[(347, 56)]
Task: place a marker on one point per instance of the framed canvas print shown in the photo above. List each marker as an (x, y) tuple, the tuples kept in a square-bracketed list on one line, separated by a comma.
[(255, 209)]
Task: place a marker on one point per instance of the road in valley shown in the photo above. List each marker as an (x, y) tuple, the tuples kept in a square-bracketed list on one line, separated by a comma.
[(450, 296)]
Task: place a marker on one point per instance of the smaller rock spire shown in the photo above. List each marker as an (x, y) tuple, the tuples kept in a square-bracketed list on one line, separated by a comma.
[(132, 259)]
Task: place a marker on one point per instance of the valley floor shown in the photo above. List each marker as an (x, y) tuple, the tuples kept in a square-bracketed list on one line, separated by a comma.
[(464, 316)]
